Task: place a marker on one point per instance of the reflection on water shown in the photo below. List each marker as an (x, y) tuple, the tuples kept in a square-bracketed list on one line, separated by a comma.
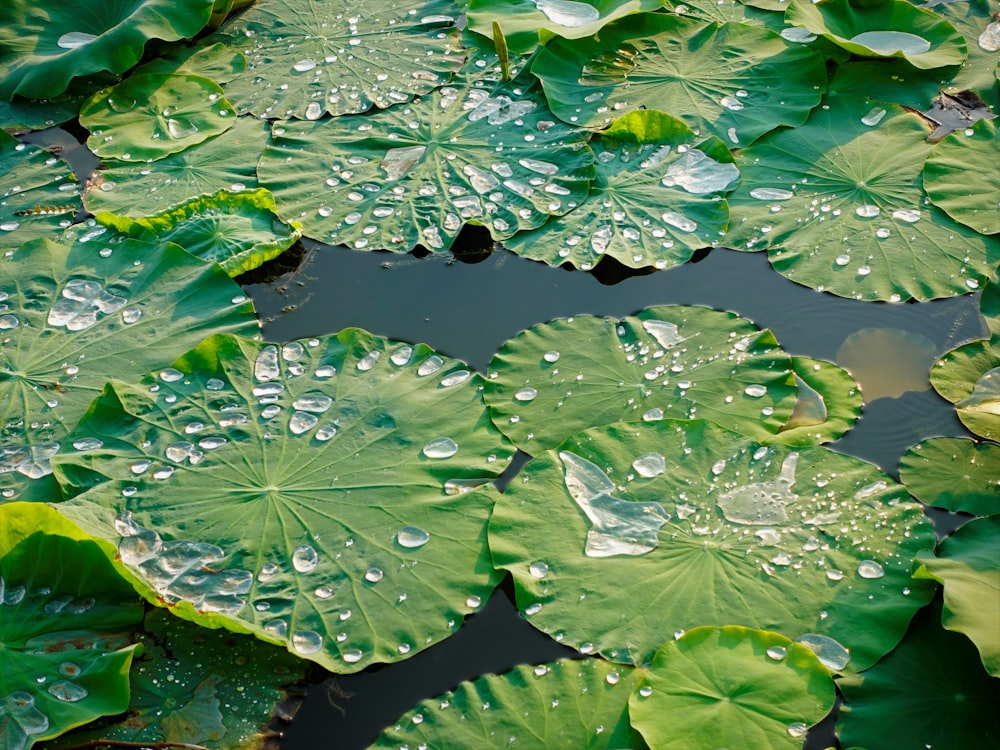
[(888, 361)]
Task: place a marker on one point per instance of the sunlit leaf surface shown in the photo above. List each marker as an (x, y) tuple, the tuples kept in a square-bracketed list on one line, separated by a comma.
[(954, 473), (38, 193), (958, 178)]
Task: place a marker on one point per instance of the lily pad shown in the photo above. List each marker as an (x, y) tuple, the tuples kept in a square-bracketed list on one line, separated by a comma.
[(956, 181), (673, 361), (632, 532), (147, 117), (954, 473), (891, 80), (839, 206), (974, 20), (828, 403), (663, 62), (731, 687), (43, 47), (306, 59), (882, 28), (75, 314), (239, 231), (38, 193), (969, 377), (656, 198), (567, 703), (225, 162), (214, 61), (330, 477), (63, 665), (481, 152)]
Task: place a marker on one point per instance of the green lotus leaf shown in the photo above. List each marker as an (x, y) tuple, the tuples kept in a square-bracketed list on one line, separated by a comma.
[(195, 685), (22, 115), (673, 361), (663, 62), (63, 663), (567, 703), (956, 181), (968, 564), (225, 162), (646, 162), (38, 193), (731, 687), (989, 307), (521, 20), (487, 154), (838, 205), (882, 28), (305, 59), (934, 688), (214, 61), (75, 314), (827, 405), (728, 11), (147, 117), (969, 377), (954, 473), (329, 475), (631, 532), (889, 80), (973, 19), (239, 231), (43, 45)]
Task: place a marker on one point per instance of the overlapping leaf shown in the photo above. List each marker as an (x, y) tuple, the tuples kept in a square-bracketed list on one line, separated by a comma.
[(959, 474), (969, 377), (957, 182), (38, 193), (828, 402)]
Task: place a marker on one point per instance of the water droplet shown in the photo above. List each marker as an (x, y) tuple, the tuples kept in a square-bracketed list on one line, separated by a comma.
[(833, 655), (304, 66), (442, 447), (69, 669), (67, 691), (538, 569), (455, 378), (88, 444), (323, 592), (277, 628), (352, 656), (180, 129), (368, 361), (307, 641), (267, 572), (798, 729), (305, 559), (680, 222), (645, 691), (771, 194), (373, 575), (777, 652), (890, 42), (568, 13), (526, 394), (552, 356), (412, 537), (835, 575), (870, 569), (473, 602), (650, 465), (314, 111), (75, 39), (612, 678), (909, 215), (797, 34)]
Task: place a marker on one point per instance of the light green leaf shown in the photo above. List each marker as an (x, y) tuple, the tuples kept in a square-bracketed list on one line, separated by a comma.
[(632, 532), (147, 117), (38, 193), (330, 478), (886, 80), (731, 687), (969, 377), (673, 361), (65, 661), (667, 63), (972, 20), (726, 11), (959, 474), (989, 307), (79, 313), (656, 198), (214, 61), (827, 404), (958, 179)]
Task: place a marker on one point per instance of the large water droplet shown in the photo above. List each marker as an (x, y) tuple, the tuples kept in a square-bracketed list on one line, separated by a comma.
[(352, 656), (890, 42), (650, 465), (538, 569), (870, 569), (374, 575), (75, 39), (180, 129), (833, 655), (412, 537), (762, 503), (305, 559), (699, 174), (68, 691), (568, 13), (307, 641), (442, 447)]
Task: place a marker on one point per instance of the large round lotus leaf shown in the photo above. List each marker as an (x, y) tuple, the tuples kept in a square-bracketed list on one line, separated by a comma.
[(225, 162), (75, 314), (973, 19), (828, 403), (631, 532), (838, 204), (147, 117), (656, 198), (305, 59), (673, 361), (195, 685), (38, 193), (311, 493), (61, 602), (239, 231), (931, 690), (487, 154), (521, 20), (45, 44), (882, 28), (959, 180), (579, 703), (969, 377), (668, 63), (968, 564), (954, 473), (731, 687)]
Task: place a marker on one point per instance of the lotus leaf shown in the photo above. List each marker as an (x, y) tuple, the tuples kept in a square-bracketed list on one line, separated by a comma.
[(22, 115), (38, 193), (728, 11), (730, 687), (973, 19), (663, 62), (673, 361), (838, 205), (827, 405), (313, 493), (958, 474), (882, 28), (74, 314), (891, 80), (567, 703), (147, 117), (969, 377), (43, 45), (957, 182), (646, 162), (631, 532), (239, 231), (225, 162), (305, 59), (934, 688), (61, 605), (487, 154), (214, 61)]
